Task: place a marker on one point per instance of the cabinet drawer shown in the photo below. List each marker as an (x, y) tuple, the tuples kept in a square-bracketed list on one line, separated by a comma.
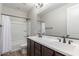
[(37, 46), (47, 52), (38, 49), (28, 47), (50, 51), (37, 52), (32, 48), (58, 54)]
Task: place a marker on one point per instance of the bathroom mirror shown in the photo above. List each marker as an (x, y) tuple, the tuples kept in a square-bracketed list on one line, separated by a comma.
[(73, 21), (55, 21), (63, 20)]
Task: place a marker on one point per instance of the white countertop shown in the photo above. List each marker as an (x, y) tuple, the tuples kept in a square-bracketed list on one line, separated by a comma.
[(52, 43)]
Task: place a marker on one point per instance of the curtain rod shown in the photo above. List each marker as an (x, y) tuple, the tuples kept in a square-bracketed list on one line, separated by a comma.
[(13, 16)]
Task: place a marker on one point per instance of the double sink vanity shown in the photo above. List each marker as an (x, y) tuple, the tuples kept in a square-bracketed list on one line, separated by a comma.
[(51, 46)]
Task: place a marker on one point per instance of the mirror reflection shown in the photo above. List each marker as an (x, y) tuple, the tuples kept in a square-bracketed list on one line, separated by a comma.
[(62, 20)]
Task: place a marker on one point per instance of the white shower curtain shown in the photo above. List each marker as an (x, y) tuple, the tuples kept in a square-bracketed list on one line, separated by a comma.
[(6, 33)]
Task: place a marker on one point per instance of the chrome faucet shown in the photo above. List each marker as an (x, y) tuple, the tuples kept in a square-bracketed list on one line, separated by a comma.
[(64, 38)]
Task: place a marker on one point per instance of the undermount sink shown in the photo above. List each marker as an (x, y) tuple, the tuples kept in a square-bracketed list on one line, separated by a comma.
[(74, 44)]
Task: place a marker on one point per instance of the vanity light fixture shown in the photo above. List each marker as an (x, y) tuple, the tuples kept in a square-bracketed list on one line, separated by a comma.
[(38, 5)]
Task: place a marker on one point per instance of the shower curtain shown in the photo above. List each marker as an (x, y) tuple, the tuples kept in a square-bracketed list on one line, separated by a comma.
[(6, 33)]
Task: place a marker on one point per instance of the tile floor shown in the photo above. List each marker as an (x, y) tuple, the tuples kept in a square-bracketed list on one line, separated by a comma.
[(14, 53)]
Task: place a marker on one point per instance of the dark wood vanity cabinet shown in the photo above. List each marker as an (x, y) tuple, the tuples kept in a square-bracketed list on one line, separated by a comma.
[(32, 48), (28, 47), (47, 52), (36, 49), (58, 54)]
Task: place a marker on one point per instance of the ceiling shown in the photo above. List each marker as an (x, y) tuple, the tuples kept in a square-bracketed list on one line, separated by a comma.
[(21, 6), (49, 7), (27, 6)]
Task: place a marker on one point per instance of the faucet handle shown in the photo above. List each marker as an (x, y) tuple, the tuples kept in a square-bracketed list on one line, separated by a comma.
[(59, 39), (69, 42)]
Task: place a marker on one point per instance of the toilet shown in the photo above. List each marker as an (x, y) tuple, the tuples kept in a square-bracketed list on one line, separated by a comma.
[(24, 48)]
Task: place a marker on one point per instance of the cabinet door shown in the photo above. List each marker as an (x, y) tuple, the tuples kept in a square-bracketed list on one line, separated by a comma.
[(38, 48), (28, 47), (58, 54), (47, 52), (32, 48)]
